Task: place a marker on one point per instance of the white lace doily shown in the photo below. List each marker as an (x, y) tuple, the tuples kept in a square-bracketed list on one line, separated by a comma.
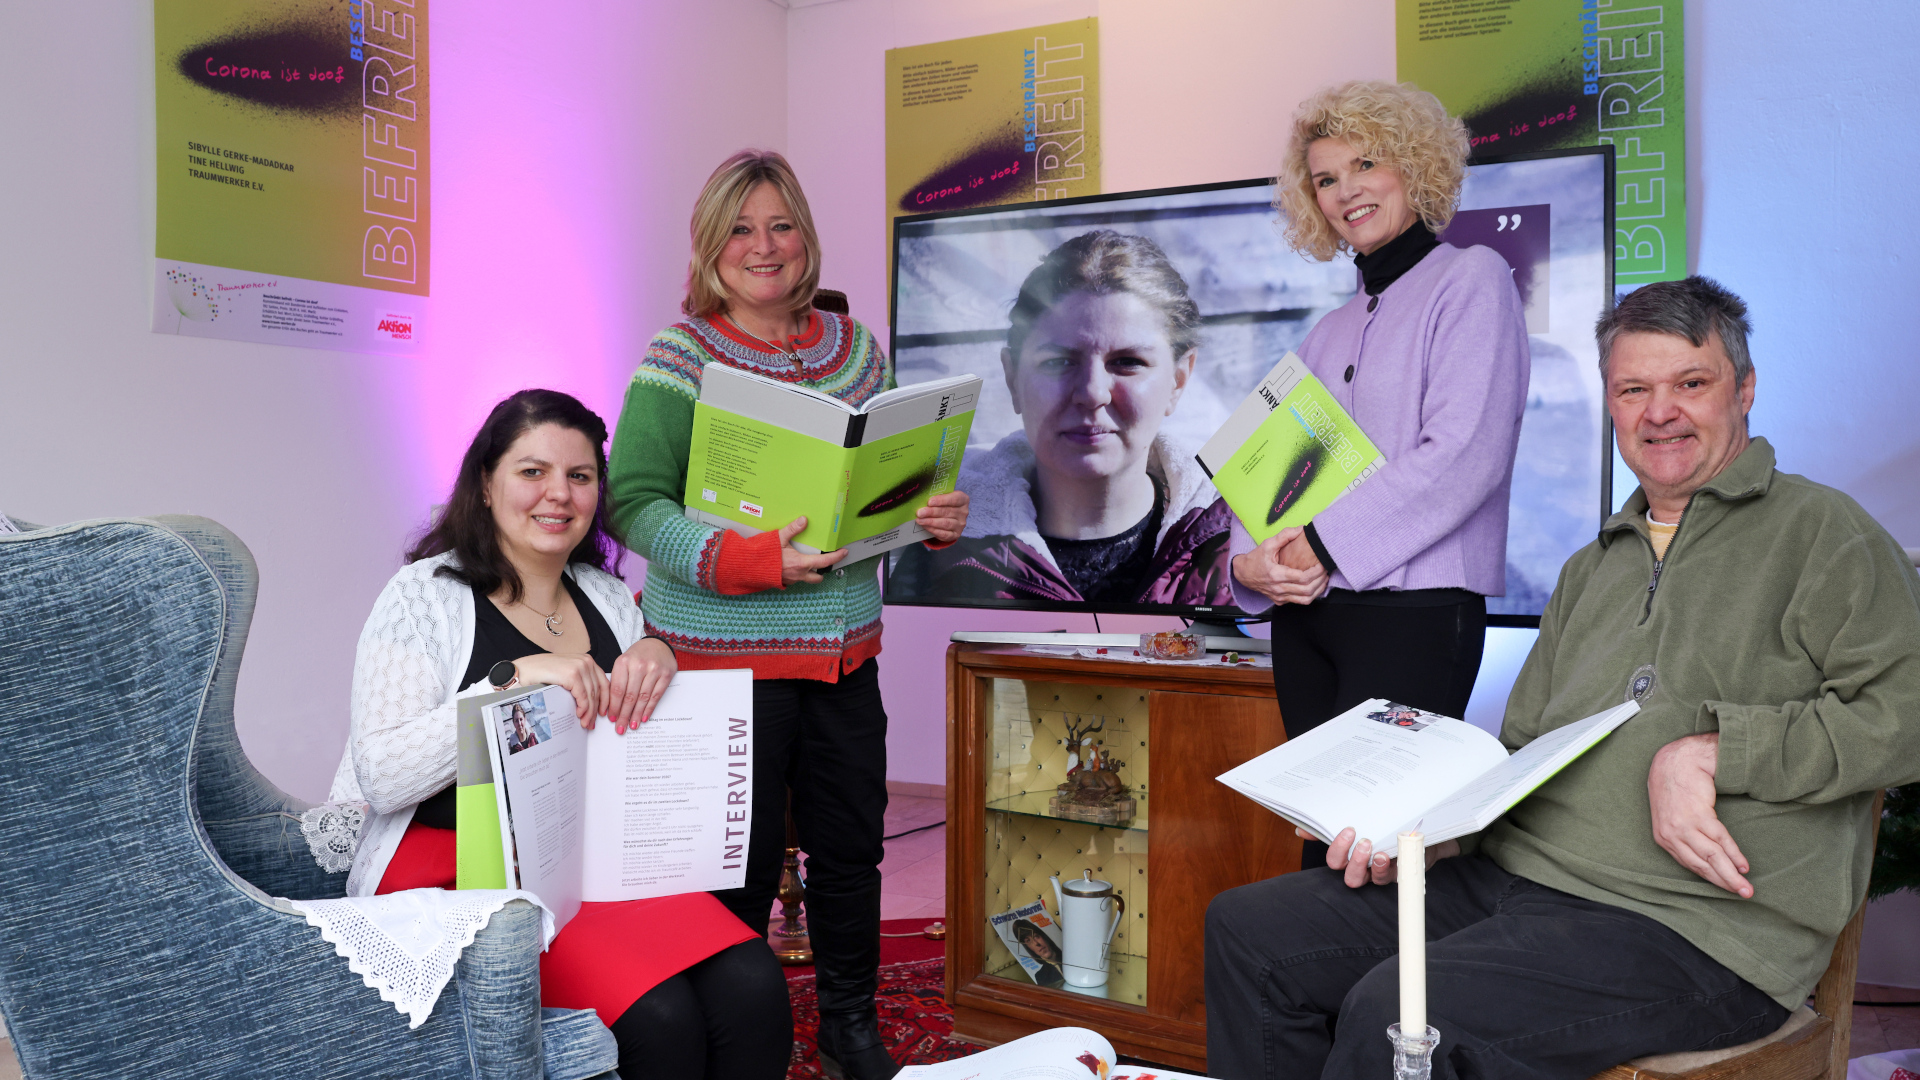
[(333, 832), (404, 944)]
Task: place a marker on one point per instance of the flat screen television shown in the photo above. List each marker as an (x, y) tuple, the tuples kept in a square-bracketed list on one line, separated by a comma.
[(955, 280)]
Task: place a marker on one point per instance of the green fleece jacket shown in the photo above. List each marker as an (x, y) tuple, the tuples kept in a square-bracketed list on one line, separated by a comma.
[(1785, 619)]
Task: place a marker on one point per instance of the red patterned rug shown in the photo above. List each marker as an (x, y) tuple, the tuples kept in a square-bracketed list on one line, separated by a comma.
[(915, 1019)]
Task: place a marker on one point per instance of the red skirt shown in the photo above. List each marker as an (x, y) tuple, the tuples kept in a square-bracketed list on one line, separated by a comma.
[(609, 954)]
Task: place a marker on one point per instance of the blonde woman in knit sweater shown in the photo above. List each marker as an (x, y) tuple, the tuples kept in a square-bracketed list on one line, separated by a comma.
[(808, 625)]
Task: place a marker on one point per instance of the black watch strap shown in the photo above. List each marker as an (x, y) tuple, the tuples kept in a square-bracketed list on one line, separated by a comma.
[(502, 674)]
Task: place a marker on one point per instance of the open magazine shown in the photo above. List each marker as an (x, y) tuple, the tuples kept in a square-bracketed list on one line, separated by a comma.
[(1385, 769), (1287, 452), (765, 452), (573, 815), (1067, 1053)]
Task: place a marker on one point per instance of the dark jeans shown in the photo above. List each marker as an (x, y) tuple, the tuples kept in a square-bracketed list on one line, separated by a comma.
[(828, 742), (726, 1016), (1329, 657), (1523, 981)]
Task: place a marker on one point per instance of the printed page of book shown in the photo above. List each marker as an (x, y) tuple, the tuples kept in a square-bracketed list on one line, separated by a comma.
[(1373, 767), (669, 805), (1063, 1053), (543, 756), (1475, 806)]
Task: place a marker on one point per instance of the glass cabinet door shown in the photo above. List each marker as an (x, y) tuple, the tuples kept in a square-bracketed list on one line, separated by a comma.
[(1066, 795)]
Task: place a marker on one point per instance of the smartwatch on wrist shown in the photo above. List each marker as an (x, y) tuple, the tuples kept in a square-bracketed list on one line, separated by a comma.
[(503, 675)]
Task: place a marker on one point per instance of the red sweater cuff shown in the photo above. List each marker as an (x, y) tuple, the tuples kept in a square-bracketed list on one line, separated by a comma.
[(747, 564)]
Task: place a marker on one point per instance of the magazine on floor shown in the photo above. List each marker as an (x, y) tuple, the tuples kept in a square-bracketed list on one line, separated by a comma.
[(1287, 452), (576, 815), (1066, 1053), (1385, 768), (1033, 938), (765, 452)]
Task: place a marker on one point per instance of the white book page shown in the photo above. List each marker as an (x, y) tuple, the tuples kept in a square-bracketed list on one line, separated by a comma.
[(917, 404), (1066, 1053), (542, 756), (1475, 806), (670, 803), (1372, 768)]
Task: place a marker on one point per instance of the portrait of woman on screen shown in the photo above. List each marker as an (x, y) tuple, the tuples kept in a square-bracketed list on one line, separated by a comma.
[(1088, 501)]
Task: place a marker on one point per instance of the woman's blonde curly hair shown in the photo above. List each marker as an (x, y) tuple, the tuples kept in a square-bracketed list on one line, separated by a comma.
[(1397, 125)]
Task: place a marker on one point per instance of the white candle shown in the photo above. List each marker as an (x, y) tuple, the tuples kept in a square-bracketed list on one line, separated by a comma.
[(1413, 935)]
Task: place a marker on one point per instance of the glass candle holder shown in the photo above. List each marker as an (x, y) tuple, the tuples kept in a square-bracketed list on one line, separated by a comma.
[(1413, 1055)]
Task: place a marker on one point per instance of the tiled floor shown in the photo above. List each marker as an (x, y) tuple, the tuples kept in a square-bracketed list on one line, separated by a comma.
[(913, 879), (1876, 1031)]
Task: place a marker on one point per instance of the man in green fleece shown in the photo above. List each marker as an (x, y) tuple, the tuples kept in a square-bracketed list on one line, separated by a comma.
[(1681, 885)]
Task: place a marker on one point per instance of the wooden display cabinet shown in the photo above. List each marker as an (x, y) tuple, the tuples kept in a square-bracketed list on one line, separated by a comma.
[(1176, 727)]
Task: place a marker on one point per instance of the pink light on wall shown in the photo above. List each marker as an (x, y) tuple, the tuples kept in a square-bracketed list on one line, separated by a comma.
[(568, 149)]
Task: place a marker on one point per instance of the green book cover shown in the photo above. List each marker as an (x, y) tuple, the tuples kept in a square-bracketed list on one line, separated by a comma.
[(765, 452), (1287, 452), (480, 829)]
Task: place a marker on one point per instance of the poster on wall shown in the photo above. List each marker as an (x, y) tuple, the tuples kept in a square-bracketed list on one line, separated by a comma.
[(1001, 118), (293, 172), (1538, 76)]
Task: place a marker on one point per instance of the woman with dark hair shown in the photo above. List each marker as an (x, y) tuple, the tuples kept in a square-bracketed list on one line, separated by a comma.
[(1089, 501), (511, 586)]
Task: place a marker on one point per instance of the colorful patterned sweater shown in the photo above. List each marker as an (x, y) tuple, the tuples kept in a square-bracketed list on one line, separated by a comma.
[(713, 594)]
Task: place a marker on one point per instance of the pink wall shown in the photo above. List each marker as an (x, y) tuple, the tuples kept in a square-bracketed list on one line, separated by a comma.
[(563, 178)]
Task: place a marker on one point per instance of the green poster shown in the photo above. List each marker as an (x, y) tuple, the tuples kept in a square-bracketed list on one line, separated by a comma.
[(292, 165), (1000, 118), (1545, 74)]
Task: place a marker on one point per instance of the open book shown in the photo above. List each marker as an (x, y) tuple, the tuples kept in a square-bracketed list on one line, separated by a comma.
[(765, 452), (1287, 452), (572, 815), (1385, 769), (1067, 1053)]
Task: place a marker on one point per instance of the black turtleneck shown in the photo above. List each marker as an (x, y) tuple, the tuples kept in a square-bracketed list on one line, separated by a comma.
[(1395, 257)]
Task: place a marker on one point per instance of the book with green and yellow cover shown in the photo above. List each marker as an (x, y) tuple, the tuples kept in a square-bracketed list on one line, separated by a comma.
[(1287, 452), (765, 452)]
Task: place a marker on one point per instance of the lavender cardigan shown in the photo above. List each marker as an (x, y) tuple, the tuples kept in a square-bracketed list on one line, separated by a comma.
[(1439, 384)]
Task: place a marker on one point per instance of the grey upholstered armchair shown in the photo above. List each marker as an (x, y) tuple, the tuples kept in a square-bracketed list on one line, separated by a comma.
[(138, 931)]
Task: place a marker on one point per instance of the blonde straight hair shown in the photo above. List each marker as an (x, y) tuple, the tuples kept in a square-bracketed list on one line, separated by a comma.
[(713, 219)]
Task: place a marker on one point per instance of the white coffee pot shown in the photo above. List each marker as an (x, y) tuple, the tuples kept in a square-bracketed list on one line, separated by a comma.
[(1089, 914)]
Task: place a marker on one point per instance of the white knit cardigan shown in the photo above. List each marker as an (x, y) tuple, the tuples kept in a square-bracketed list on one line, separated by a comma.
[(401, 742)]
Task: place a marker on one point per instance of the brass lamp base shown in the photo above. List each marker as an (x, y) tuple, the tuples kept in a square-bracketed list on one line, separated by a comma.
[(787, 937)]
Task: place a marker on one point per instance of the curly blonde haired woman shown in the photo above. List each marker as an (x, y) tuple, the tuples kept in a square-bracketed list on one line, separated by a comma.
[(1384, 593), (808, 625)]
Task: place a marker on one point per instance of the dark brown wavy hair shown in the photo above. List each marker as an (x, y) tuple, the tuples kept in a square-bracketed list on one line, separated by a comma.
[(466, 526)]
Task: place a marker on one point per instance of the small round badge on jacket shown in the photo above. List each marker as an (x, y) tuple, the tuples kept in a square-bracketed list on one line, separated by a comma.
[(1642, 683)]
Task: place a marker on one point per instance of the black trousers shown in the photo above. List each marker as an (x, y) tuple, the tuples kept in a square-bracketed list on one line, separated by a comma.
[(1523, 981), (725, 1017), (1329, 657), (828, 742)]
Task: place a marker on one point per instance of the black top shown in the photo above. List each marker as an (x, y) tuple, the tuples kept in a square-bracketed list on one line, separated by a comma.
[(1395, 257), (496, 639), (1111, 567)]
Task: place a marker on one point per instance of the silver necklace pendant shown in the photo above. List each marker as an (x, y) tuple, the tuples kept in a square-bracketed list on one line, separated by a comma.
[(553, 621)]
